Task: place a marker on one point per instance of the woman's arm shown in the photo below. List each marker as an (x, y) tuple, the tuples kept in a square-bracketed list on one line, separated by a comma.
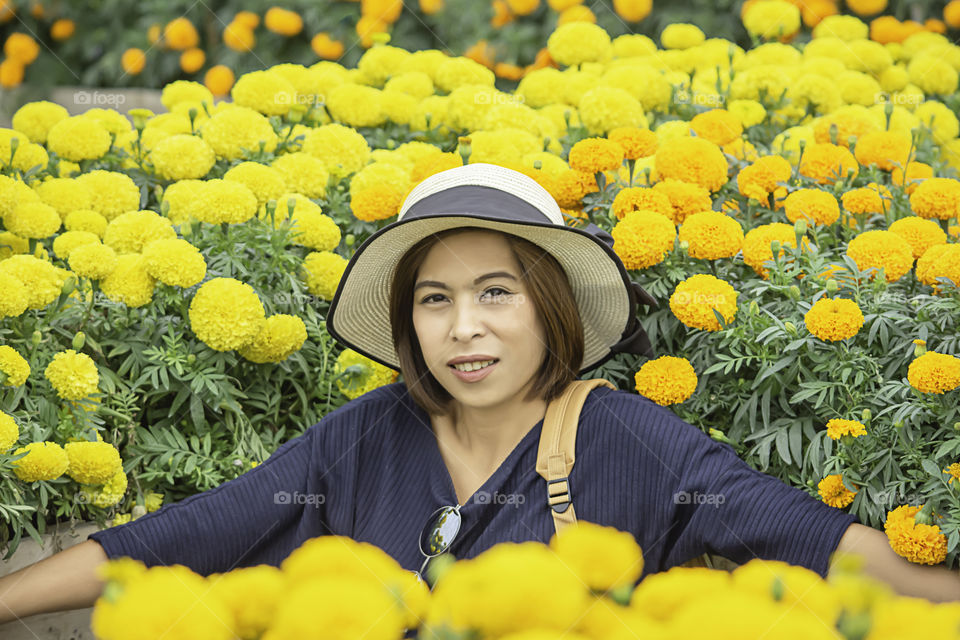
[(935, 583), (65, 580)]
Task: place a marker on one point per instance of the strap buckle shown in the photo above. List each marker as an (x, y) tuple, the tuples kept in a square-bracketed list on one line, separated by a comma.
[(559, 497)]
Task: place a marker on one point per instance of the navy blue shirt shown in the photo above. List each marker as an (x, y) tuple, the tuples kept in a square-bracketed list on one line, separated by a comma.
[(372, 470)]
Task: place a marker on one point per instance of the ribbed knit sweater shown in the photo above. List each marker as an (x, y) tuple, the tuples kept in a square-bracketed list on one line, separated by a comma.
[(372, 470)]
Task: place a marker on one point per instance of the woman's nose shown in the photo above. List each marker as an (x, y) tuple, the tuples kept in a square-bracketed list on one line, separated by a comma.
[(466, 319)]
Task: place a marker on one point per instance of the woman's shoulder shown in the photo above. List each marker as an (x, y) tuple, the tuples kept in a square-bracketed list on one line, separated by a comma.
[(376, 409), (611, 412)]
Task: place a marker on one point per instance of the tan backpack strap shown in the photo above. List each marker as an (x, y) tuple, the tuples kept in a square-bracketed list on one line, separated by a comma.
[(556, 454)]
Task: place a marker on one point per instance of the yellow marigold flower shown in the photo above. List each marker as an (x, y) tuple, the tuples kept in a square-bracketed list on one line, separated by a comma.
[(641, 199), (711, 235), (919, 543), (571, 185), (846, 28), (65, 195), (953, 469), (577, 42), (323, 270), (371, 376), (129, 281), (685, 198), (882, 249), (108, 494), (934, 373), (775, 19), (834, 319), (224, 201), (152, 501), (36, 118), (377, 202), (94, 260), (693, 160), (694, 300), (175, 262), (886, 149), (452, 73), (719, 126), (14, 300), (233, 130), (636, 142), (311, 227), (604, 557), (937, 198), (916, 173), (9, 432), (578, 13), (130, 232), (182, 157), (282, 21), (382, 62), (341, 149), (73, 375), (92, 462), (265, 182), (756, 244), (763, 178), (356, 105), (226, 314), (180, 91), (430, 165), (44, 461), (666, 380), (862, 200), (932, 74), (32, 220), (680, 35), (595, 155), (939, 261), (921, 234), (749, 112), (643, 238), (279, 338), (833, 492), (603, 109), (78, 138), (65, 243), (826, 163), (837, 428), (42, 281), (252, 595), (303, 173), (814, 205), (113, 192), (14, 369)]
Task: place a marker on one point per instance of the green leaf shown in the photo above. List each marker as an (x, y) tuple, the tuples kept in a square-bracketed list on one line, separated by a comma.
[(931, 468)]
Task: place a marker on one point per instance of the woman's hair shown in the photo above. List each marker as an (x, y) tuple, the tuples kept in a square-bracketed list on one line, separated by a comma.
[(554, 304)]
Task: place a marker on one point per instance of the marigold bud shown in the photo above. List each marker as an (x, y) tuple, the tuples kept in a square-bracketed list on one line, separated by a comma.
[(790, 327), (832, 286), (78, 341)]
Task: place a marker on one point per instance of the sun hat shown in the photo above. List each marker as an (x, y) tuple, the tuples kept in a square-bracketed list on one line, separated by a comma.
[(491, 197)]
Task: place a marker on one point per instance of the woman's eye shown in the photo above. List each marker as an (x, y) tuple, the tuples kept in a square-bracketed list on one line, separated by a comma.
[(431, 297), (503, 292)]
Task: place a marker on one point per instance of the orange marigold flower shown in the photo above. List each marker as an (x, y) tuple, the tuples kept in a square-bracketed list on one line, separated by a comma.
[(711, 235), (934, 373), (666, 380), (283, 21), (838, 428), (918, 543), (756, 244), (936, 198), (378, 202), (572, 185), (641, 199), (826, 163), (595, 155), (834, 319), (862, 200), (428, 165), (833, 492), (694, 160), (685, 198), (719, 126), (763, 177), (882, 250), (848, 125), (326, 47), (695, 299), (920, 234), (939, 261), (643, 238), (917, 172), (501, 14), (886, 149), (815, 205), (636, 143), (951, 14), (180, 34)]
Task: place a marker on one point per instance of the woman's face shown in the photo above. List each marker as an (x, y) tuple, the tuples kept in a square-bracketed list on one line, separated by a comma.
[(456, 315)]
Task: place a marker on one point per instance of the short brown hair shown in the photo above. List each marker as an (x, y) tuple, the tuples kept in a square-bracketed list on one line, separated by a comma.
[(549, 289)]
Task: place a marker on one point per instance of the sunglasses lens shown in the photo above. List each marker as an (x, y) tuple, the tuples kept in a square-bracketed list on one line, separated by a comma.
[(440, 531)]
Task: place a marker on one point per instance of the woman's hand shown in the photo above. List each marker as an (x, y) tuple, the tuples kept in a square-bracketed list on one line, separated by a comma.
[(935, 583), (64, 581)]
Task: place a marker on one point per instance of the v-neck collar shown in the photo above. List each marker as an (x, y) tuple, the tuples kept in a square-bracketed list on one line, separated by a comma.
[(441, 482)]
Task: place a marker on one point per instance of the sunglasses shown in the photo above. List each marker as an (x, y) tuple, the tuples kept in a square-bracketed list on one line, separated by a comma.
[(437, 536)]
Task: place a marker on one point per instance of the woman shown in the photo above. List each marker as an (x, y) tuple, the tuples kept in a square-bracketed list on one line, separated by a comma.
[(482, 270)]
